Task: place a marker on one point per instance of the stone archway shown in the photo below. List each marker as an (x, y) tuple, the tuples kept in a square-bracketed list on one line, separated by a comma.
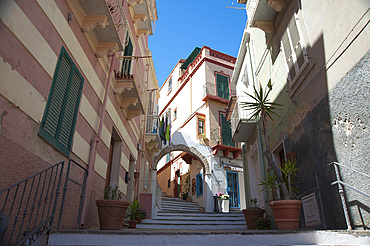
[(181, 147), (182, 142)]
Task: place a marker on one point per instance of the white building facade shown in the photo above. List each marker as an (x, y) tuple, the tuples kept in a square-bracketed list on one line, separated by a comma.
[(317, 60), (194, 98)]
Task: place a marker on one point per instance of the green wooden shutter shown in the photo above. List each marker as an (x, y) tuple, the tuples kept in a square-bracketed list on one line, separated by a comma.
[(222, 86), (226, 132), (57, 126), (126, 64)]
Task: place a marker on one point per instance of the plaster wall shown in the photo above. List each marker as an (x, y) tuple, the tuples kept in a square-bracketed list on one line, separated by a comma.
[(325, 119), (25, 27)]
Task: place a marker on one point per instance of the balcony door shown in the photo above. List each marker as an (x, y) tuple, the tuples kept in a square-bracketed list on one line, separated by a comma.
[(226, 132), (222, 82)]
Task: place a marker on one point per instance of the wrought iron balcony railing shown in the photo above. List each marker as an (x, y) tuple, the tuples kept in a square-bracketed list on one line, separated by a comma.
[(218, 138), (211, 92)]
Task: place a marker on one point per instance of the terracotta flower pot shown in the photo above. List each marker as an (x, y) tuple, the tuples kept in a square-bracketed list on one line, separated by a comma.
[(111, 213), (286, 213), (132, 224), (251, 216)]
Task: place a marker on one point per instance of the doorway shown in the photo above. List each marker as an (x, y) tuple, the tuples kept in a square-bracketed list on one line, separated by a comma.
[(233, 188)]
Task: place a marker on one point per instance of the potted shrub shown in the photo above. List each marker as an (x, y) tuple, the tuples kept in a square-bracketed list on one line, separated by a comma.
[(252, 214), (286, 212), (111, 210), (134, 212)]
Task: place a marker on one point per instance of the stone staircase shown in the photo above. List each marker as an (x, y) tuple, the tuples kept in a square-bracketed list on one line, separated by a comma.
[(178, 214)]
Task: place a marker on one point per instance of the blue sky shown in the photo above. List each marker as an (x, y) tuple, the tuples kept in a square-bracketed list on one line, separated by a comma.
[(184, 25)]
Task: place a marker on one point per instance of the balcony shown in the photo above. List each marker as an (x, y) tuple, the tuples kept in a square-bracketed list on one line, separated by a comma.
[(210, 93), (127, 87), (105, 20), (224, 143), (241, 127), (152, 137), (143, 12), (262, 14)]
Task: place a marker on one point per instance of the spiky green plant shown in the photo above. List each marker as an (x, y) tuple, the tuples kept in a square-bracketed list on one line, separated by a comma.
[(134, 211), (289, 170), (262, 109)]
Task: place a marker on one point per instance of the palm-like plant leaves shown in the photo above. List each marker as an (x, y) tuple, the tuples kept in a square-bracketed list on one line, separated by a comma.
[(262, 106)]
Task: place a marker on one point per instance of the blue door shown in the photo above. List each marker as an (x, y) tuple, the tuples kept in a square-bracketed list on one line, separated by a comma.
[(233, 188)]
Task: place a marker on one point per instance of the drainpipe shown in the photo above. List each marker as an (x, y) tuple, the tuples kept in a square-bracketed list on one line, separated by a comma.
[(94, 144)]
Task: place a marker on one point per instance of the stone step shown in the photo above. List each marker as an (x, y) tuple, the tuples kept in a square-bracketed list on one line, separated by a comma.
[(195, 236), (191, 226), (193, 222), (191, 205), (223, 215), (200, 218), (180, 210)]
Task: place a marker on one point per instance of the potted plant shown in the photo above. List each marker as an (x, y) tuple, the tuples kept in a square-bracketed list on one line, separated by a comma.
[(134, 213), (143, 212), (252, 214), (203, 139), (111, 210), (263, 109), (224, 199), (286, 212)]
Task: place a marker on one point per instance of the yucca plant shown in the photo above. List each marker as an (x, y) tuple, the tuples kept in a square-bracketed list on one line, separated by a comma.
[(263, 109), (289, 170)]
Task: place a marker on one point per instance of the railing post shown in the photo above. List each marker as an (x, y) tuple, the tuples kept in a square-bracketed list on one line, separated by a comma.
[(342, 197)]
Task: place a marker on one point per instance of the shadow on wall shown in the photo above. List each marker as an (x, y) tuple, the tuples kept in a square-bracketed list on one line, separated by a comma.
[(323, 127)]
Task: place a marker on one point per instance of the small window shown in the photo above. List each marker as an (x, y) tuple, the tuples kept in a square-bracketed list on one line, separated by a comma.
[(199, 184), (293, 50), (170, 85), (169, 183), (175, 114), (200, 126), (58, 123)]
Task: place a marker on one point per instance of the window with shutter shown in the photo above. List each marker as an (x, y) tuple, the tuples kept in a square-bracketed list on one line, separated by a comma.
[(126, 63), (57, 125), (294, 51), (199, 184), (222, 86), (226, 132)]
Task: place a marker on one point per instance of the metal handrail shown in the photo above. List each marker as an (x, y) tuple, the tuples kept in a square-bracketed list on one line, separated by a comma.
[(341, 190), (30, 205)]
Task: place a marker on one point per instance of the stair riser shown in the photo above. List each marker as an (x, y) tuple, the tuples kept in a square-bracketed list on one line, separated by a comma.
[(216, 215), (195, 223), (192, 227)]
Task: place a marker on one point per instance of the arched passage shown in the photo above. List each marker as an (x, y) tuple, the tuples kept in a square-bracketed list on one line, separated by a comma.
[(181, 147), (207, 194)]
